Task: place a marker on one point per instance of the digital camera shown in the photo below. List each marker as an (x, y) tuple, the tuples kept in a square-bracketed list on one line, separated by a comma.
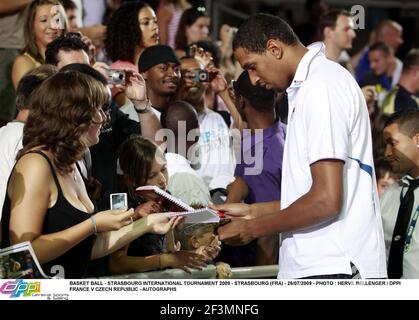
[(116, 76), (119, 201), (203, 76)]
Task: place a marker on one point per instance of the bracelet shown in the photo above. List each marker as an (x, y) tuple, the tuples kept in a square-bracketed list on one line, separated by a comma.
[(144, 110), (94, 224)]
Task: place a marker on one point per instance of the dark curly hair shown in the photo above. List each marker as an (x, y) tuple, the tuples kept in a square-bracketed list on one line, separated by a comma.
[(62, 109), (123, 33)]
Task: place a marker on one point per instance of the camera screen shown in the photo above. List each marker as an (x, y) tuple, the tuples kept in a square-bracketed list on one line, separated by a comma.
[(119, 201)]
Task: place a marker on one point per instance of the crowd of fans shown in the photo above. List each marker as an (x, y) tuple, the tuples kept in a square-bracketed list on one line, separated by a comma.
[(139, 94)]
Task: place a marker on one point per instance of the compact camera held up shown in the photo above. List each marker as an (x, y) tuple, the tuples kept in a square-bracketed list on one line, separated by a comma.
[(119, 201), (203, 76), (116, 76)]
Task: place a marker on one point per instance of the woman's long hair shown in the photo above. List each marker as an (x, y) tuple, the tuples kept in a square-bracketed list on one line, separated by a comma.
[(136, 157), (30, 41), (62, 109), (188, 18)]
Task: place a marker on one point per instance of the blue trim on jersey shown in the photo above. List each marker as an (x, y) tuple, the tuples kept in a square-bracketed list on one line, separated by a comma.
[(363, 166), (367, 169)]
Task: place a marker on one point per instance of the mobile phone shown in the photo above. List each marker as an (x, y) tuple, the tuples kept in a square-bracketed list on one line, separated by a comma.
[(119, 201)]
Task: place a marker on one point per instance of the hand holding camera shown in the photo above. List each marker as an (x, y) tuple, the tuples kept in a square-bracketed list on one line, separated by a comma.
[(200, 54), (135, 86), (203, 76), (218, 82), (116, 76)]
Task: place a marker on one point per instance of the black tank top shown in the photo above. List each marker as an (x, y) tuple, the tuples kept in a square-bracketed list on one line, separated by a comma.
[(61, 216)]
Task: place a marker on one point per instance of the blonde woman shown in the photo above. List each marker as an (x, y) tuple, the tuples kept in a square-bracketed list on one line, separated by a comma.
[(45, 22)]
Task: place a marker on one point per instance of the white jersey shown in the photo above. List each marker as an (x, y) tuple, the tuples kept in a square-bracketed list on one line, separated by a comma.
[(328, 119)]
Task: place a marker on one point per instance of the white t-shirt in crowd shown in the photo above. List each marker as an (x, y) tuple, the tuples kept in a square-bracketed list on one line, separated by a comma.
[(216, 154), (328, 119), (184, 182), (390, 203), (10, 142)]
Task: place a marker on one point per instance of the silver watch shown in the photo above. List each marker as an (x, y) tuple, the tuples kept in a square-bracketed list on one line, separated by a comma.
[(144, 110)]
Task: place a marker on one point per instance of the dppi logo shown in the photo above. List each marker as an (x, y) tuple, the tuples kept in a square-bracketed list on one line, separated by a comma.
[(18, 287)]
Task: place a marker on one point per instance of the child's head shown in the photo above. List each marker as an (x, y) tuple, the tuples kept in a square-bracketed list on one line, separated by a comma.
[(193, 236), (143, 163), (385, 177)]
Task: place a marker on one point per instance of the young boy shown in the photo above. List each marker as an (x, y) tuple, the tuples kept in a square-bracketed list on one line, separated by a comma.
[(200, 238)]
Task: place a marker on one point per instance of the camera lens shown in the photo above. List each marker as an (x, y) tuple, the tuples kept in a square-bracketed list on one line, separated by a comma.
[(203, 76), (117, 76)]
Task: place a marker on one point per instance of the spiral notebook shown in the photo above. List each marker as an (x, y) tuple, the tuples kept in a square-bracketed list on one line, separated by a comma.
[(163, 198), (177, 207), (203, 215)]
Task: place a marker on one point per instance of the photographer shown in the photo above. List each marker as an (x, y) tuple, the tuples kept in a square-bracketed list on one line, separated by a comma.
[(161, 69), (216, 156)]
